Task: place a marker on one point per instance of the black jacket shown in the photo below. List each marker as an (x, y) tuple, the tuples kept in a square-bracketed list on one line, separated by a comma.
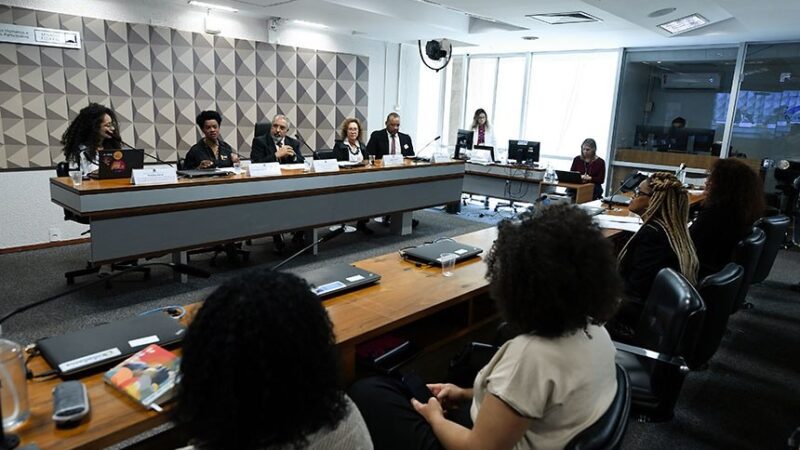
[(648, 252), (715, 235), (342, 150), (378, 144), (264, 150), (201, 152)]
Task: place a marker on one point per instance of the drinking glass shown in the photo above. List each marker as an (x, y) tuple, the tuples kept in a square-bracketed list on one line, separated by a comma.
[(448, 261), (75, 173), (371, 160)]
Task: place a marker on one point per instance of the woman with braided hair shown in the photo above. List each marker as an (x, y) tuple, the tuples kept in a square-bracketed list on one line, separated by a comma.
[(94, 129), (662, 241)]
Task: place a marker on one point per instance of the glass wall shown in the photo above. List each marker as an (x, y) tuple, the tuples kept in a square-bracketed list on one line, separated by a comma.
[(429, 115), (507, 115), (480, 87)]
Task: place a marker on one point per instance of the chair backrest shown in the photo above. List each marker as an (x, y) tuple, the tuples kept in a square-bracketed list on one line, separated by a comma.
[(775, 228), (718, 291), (62, 169), (262, 128), (607, 432), (746, 254), (672, 316)]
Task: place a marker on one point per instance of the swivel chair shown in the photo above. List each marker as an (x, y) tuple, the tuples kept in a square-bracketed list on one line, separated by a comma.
[(747, 254), (775, 229), (666, 334), (718, 292), (607, 432)]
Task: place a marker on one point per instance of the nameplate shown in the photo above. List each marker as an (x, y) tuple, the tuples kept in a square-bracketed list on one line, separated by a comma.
[(440, 157), (270, 169), (154, 176), (392, 160), (325, 165)]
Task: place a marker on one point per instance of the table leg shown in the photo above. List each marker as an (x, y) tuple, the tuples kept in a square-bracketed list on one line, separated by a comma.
[(180, 258), (347, 353), (401, 223)]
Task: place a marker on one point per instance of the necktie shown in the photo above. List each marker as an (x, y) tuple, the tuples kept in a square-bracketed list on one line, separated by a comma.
[(394, 150)]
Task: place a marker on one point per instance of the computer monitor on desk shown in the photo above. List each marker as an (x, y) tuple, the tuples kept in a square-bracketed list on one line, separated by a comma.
[(523, 151), (463, 142)]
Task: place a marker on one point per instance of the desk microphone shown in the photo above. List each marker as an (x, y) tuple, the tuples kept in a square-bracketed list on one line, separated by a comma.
[(302, 141), (429, 143), (147, 154), (324, 238), (626, 182)]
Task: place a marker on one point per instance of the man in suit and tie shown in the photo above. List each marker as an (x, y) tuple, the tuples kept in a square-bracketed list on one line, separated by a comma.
[(275, 146), (390, 141)]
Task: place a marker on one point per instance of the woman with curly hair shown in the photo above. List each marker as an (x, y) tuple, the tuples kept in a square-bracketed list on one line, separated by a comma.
[(260, 370), (662, 241), (734, 201), (350, 145), (94, 129), (555, 378)]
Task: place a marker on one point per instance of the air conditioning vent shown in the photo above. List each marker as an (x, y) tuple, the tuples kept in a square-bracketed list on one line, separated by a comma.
[(563, 18), (690, 81)]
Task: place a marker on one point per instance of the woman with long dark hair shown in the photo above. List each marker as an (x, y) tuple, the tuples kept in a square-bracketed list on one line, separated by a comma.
[(94, 129)]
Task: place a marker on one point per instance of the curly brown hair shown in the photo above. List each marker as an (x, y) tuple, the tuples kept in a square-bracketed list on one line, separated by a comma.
[(346, 123), (553, 273), (735, 187), (85, 130)]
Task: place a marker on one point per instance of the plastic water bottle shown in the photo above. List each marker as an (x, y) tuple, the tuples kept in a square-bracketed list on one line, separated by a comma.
[(13, 384), (550, 176)]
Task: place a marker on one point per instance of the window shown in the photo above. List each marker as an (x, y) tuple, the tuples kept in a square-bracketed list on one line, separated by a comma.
[(480, 87), (507, 115), (428, 110)]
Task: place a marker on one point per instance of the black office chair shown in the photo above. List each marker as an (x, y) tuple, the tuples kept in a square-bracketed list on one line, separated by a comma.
[(747, 254), (667, 331), (718, 292), (608, 431), (262, 128), (62, 170), (775, 228)]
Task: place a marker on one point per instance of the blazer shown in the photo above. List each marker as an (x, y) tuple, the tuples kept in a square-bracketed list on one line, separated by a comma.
[(263, 150), (341, 150), (378, 144), (715, 234), (201, 151), (488, 138), (648, 252)]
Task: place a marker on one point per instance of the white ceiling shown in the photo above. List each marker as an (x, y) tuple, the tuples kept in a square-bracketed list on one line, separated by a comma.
[(624, 23)]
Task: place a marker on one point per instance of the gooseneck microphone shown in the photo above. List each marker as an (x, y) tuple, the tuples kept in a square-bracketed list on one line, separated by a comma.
[(324, 238), (635, 176), (147, 154), (429, 143), (302, 141)]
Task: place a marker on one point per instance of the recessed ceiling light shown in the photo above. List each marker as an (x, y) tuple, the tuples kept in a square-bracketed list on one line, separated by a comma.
[(213, 6), (661, 12), (684, 24), (310, 24), (564, 18), (530, 38)]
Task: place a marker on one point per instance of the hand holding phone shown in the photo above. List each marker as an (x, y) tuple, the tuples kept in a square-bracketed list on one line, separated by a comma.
[(416, 387)]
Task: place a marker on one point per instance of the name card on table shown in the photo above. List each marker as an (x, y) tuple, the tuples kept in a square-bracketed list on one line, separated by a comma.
[(154, 176), (392, 160), (326, 165), (440, 157), (264, 169)]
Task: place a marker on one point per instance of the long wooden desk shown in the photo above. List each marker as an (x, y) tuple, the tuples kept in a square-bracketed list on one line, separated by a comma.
[(134, 221), (514, 183)]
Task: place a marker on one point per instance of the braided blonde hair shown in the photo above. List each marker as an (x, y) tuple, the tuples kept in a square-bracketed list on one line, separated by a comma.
[(669, 207)]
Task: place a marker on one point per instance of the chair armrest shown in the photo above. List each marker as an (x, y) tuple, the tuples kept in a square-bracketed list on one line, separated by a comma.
[(673, 360)]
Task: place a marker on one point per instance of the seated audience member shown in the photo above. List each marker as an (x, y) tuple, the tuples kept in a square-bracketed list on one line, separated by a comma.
[(276, 146), (662, 241), (211, 151), (350, 147), (94, 129), (390, 141), (591, 167), (678, 123), (734, 201), (260, 370), (555, 378)]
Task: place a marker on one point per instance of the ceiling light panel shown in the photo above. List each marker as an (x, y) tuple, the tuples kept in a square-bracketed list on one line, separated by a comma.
[(213, 6), (684, 24)]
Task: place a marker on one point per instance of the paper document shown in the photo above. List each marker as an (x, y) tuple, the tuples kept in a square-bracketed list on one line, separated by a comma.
[(631, 224), (298, 166)]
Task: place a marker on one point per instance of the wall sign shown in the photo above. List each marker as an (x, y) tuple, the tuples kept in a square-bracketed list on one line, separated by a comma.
[(48, 37)]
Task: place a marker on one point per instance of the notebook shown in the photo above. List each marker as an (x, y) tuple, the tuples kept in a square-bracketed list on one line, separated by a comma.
[(431, 253), (333, 280), (80, 351), (147, 377), (198, 173), (119, 163)]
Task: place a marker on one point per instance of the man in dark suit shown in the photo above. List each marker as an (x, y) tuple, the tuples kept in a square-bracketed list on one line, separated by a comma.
[(275, 146), (390, 141)]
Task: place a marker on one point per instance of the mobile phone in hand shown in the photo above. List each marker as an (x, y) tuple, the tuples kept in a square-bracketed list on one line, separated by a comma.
[(416, 387)]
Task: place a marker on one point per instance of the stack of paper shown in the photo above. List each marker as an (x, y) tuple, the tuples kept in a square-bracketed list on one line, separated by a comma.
[(625, 223)]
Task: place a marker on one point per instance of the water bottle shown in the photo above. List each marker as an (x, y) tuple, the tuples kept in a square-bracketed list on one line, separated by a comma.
[(550, 176), (13, 385)]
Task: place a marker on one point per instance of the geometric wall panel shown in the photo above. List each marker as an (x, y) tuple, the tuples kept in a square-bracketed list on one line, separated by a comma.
[(158, 79)]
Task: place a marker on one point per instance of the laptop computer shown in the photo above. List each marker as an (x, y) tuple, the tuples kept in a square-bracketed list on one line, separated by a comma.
[(566, 176), (119, 163), (483, 153), (431, 253), (333, 280), (80, 351), (199, 173)]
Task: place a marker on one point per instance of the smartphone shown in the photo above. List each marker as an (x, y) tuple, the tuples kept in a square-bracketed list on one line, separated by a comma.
[(416, 387), (70, 403)]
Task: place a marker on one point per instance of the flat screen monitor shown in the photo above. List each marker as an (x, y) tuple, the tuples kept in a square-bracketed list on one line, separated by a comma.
[(701, 139), (463, 142), (522, 151), (674, 139)]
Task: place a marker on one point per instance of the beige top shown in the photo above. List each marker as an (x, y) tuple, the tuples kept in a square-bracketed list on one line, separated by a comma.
[(565, 384)]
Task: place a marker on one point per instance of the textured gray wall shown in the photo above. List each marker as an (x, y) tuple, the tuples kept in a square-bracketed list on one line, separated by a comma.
[(157, 79)]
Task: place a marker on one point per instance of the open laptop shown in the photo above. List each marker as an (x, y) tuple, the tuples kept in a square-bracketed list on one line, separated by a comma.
[(200, 173), (431, 253), (333, 280), (565, 176), (483, 153), (80, 351), (119, 163)]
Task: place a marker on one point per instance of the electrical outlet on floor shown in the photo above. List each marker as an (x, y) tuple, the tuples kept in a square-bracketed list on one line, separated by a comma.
[(55, 234)]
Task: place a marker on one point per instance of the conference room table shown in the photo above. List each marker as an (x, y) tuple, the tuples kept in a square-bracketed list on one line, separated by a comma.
[(515, 183), (130, 221)]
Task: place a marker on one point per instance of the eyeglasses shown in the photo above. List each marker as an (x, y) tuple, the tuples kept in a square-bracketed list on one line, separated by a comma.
[(638, 192)]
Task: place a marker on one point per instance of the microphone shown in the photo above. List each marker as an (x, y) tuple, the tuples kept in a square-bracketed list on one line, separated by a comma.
[(630, 178), (324, 238), (146, 154), (184, 269), (238, 155), (680, 169), (429, 143), (302, 141)]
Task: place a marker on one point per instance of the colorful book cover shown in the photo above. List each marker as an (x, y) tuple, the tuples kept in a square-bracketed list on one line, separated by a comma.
[(147, 376)]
